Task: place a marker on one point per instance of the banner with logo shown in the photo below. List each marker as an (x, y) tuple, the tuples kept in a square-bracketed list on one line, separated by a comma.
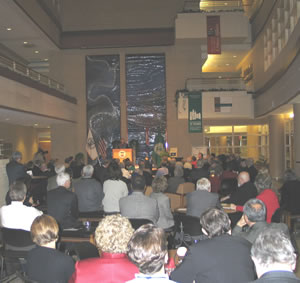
[(195, 112)]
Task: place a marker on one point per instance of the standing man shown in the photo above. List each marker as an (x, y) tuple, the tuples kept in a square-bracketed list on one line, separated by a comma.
[(15, 169)]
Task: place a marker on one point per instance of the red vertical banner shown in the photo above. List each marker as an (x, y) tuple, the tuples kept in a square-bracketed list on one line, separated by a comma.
[(213, 35)]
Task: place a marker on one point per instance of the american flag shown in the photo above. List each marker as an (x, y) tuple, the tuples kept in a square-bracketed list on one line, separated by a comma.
[(102, 148)]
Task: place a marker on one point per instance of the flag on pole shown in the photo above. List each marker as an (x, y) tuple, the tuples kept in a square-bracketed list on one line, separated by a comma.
[(90, 146), (102, 148)]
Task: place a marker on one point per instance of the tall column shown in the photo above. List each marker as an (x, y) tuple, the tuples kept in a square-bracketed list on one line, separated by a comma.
[(297, 138), (276, 145)]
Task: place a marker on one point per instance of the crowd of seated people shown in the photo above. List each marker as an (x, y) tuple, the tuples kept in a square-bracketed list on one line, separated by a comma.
[(117, 188)]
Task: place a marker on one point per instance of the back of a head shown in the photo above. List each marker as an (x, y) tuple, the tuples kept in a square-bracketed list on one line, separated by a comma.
[(113, 234), (203, 184), (147, 248), (44, 229), (17, 191), (87, 171), (17, 156), (62, 178), (79, 158), (159, 184), (138, 183), (178, 170), (263, 181), (272, 247), (114, 171), (59, 168), (255, 210), (215, 222)]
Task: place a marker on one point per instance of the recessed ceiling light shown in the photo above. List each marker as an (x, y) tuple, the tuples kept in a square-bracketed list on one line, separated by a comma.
[(36, 125), (220, 77), (8, 29), (227, 64), (25, 42), (46, 59), (225, 3), (234, 56), (36, 52)]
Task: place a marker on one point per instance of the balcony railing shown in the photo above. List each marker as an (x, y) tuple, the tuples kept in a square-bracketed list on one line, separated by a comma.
[(30, 73)]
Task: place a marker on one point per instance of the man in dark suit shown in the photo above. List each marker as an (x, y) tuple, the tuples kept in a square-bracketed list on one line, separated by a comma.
[(274, 258), (89, 191), (16, 170), (62, 204), (253, 221), (137, 205), (245, 191), (221, 258), (201, 199)]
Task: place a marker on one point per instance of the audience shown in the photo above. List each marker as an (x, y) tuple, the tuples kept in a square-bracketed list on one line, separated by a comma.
[(201, 199), (137, 205), (101, 171), (159, 186), (62, 204), (255, 218), (263, 183), (59, 168), (15, 169), (148, 250), (44, 263), (174, 182), (221, 258), (89, 191), (114, 189), (112, 236), (290, 192), (274, 258), (77, 165), (198, 172), (17, 215)]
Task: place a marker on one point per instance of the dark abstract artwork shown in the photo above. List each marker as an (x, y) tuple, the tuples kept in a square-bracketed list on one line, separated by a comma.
[(146, 99), (103, 97)]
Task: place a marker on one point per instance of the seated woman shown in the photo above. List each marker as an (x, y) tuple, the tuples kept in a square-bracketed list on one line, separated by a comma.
[(114, 189), (44, 263), (112, 236), (159, 186)]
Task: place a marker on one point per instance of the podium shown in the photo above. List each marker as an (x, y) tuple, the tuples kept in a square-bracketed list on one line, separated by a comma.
[(122, 153)]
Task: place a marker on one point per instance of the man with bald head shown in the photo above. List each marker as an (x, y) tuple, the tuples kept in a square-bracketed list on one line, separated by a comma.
[(245, 191)]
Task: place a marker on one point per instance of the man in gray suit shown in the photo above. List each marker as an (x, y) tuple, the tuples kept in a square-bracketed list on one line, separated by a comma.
[(202, 199), (254, 220), (137, 205), (89, 191)]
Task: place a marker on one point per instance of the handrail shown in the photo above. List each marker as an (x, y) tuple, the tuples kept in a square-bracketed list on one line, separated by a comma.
[(30, 73)]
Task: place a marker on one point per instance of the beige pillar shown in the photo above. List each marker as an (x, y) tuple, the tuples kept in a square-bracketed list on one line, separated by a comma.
[(276, 145), (297, 138)]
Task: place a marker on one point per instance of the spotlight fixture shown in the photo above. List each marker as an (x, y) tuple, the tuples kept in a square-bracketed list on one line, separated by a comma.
[(8, 29), (36, 52)]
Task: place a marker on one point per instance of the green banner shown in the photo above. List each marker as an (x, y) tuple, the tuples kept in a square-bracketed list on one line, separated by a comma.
[(195, 112)]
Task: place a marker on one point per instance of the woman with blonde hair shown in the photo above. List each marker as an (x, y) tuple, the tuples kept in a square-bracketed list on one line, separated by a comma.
[(44, 263), (112, 236)]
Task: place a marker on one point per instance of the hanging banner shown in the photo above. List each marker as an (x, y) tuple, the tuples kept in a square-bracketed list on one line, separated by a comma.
[(213, 35), (195, 112)]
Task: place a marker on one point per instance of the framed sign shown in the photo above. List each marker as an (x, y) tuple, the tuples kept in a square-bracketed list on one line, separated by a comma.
[(195, 112)]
